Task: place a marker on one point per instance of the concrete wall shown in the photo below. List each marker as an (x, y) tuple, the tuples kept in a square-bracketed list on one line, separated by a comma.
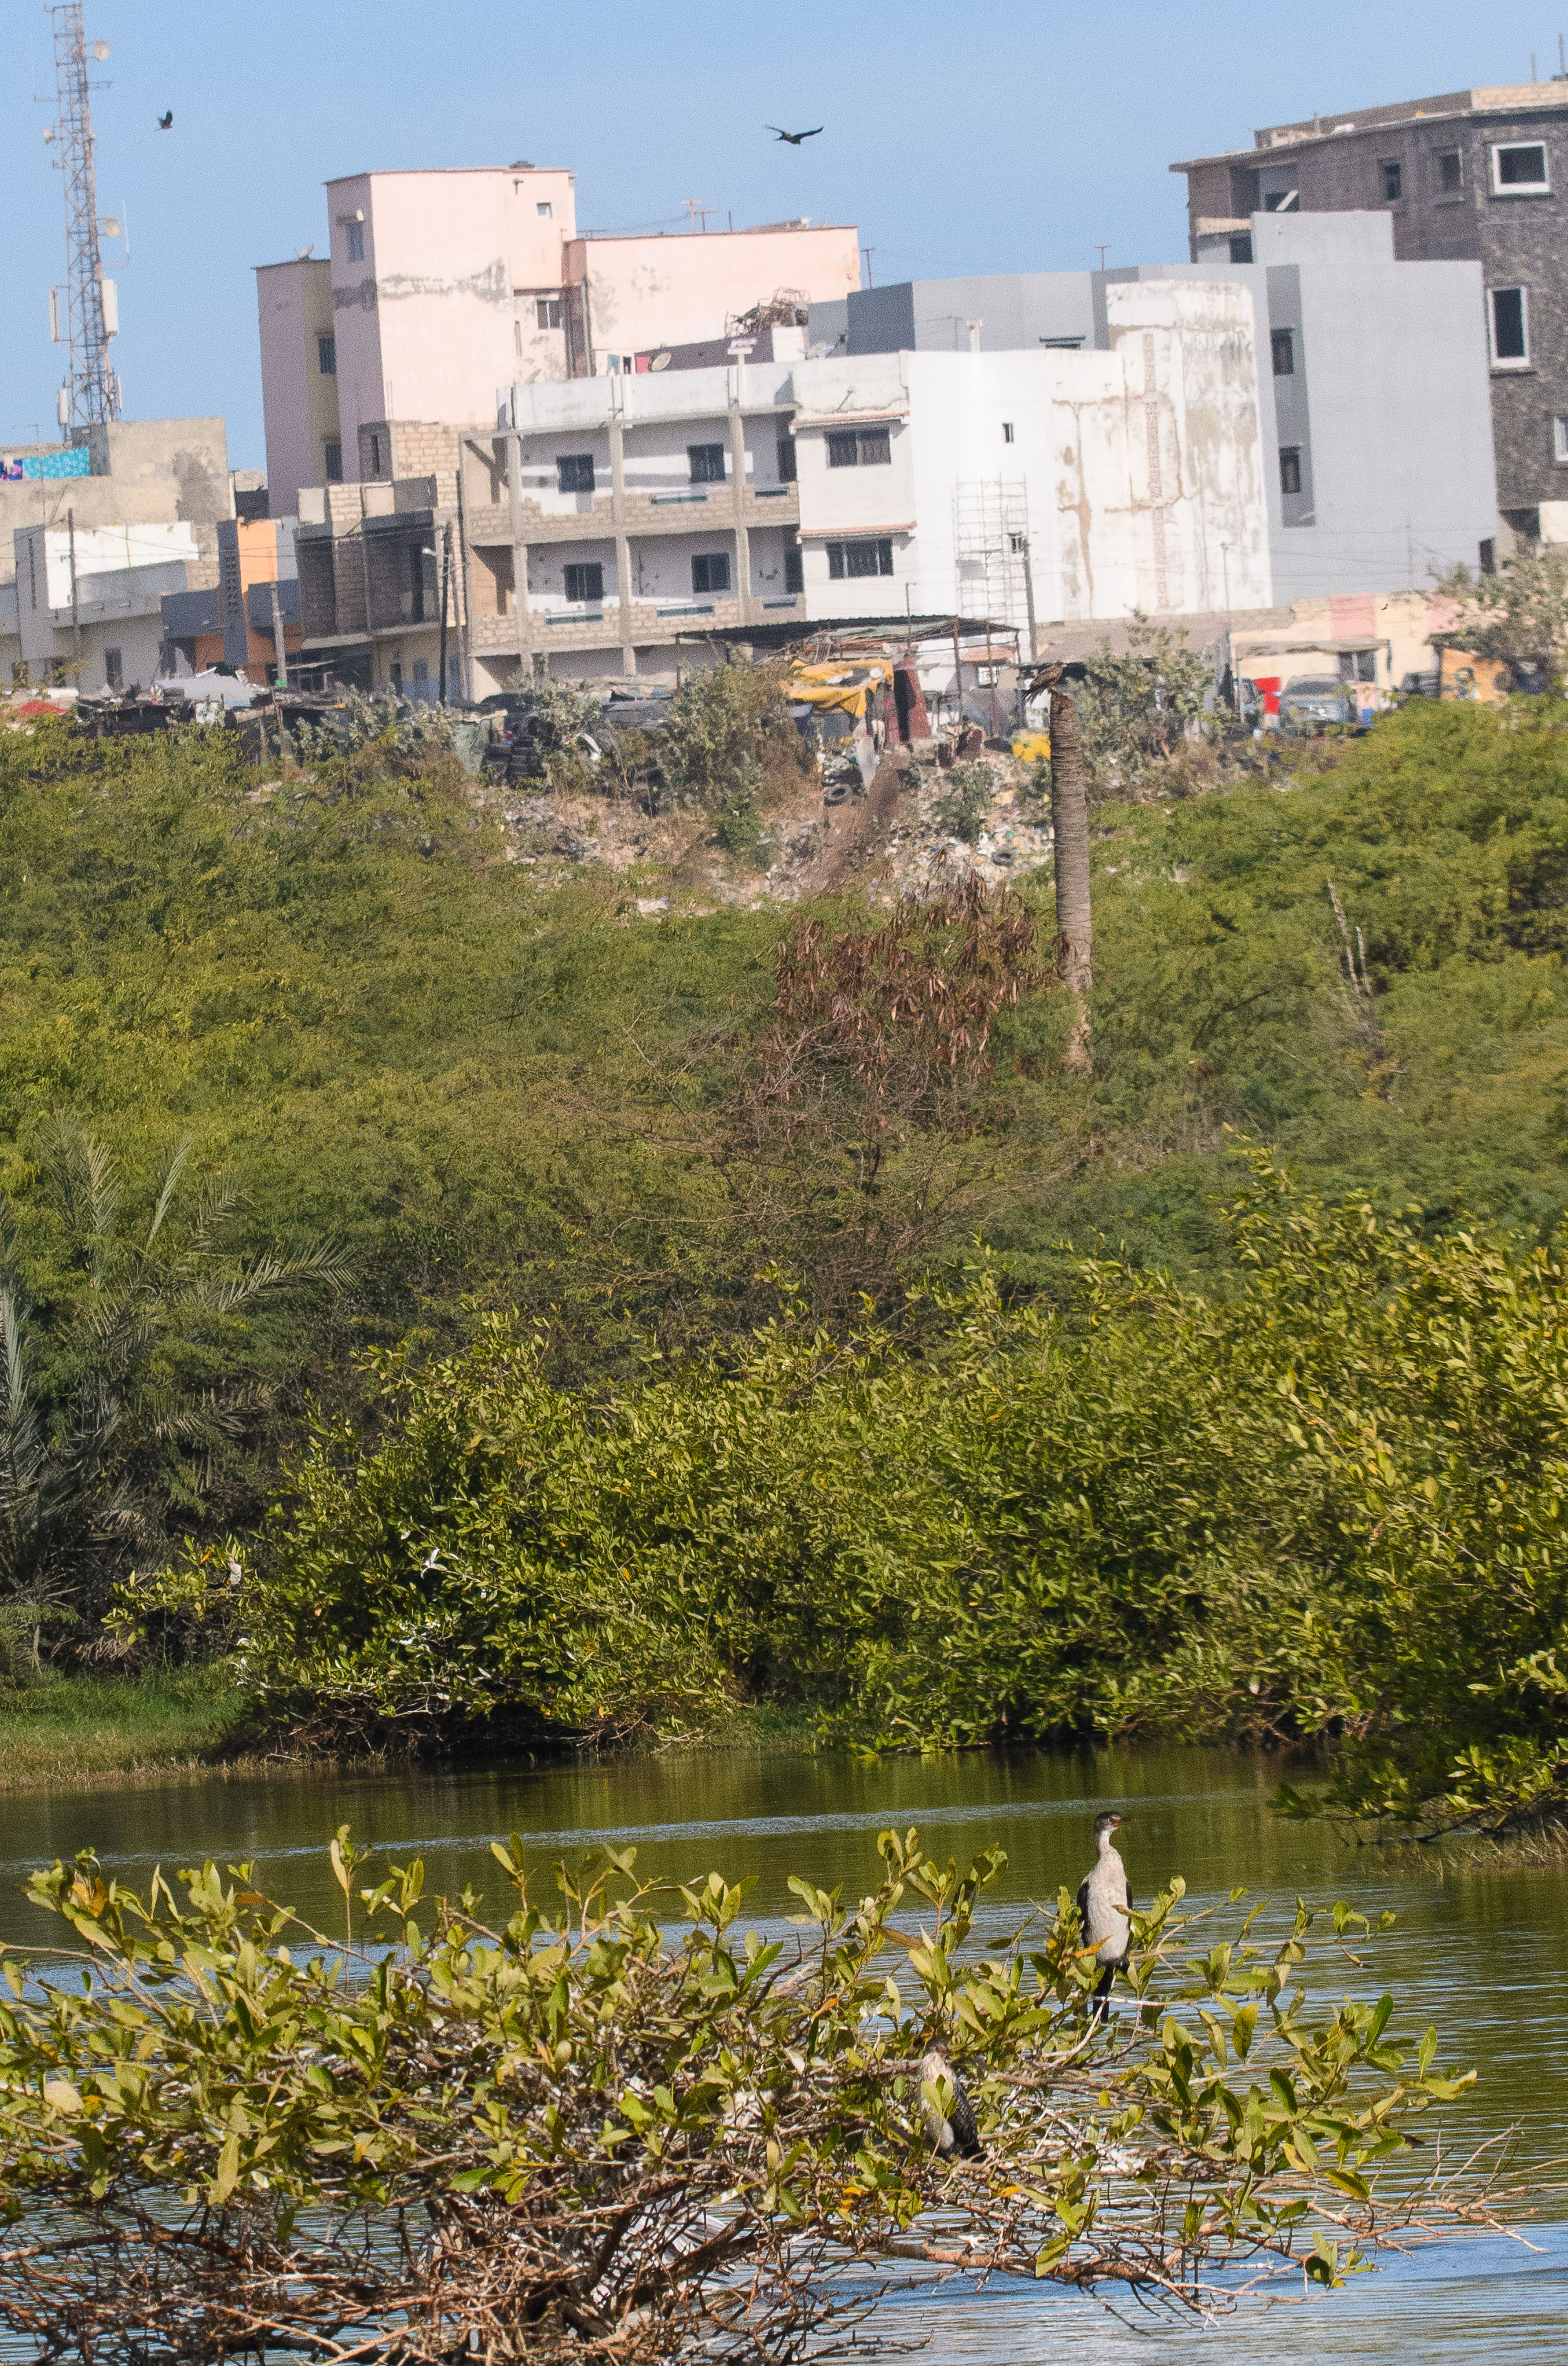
[(440, 308), (148, 471), (677, 289), (121, 574), (299, 405), (1015, 311)]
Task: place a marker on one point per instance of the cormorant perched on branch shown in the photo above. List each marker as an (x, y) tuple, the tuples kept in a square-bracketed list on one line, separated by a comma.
[(1105, 1907), (954, 2131)]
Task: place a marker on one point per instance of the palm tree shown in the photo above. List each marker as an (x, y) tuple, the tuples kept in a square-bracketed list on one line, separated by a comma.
[(123, 1378)]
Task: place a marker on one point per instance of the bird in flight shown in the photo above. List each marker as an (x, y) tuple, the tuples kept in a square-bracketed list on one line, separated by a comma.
[(794, 138), (165, 120)]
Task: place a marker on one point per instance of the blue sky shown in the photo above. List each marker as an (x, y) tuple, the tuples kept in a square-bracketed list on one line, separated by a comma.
[(975, 136)]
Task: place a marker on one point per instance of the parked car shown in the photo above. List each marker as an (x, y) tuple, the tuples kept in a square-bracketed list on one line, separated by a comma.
[(1313, 701)]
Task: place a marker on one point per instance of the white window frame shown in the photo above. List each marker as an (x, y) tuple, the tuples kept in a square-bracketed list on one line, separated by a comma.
[(1559, 439), (1501, 188), (1522, 361)]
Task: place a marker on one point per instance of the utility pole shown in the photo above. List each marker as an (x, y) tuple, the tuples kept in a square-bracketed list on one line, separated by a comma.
[(445, 592), (92, 392), (75, 597), (866, 254), (277, 640)]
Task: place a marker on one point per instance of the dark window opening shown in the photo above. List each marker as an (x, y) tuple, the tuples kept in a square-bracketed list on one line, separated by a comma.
[(1290, 469), (1358, 665), (1008, 434), (1241, 248), (326, 356), (710, 571), (575, 472), (356, 242), (876, 448), (786, 460), (707, 463), (843, 450), (858, 559), (1521, 168), (333, 453), (1392, 174), (795, 570), (1281, 201), (1450, 172), (1509, 341), (547, 311), (416, 584), (1282, 343), (585, 581), (374, 456), (113, 674)]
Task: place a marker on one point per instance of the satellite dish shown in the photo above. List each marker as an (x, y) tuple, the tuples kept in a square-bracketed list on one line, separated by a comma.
[(100, 51), (659, 361), (111, 226)]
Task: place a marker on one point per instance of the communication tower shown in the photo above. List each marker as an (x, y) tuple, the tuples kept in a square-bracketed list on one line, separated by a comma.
[(91, 392)]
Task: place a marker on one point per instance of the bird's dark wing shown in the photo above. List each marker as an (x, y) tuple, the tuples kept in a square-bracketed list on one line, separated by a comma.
[(809, 135), (777, 133), (164, 120), (962, 2121), (1083, 1904)]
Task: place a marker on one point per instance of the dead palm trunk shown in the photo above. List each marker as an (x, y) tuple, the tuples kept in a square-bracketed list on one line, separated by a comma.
[(1069, 822)]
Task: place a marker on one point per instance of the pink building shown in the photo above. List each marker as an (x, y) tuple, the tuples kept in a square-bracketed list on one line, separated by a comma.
[(441, 288)]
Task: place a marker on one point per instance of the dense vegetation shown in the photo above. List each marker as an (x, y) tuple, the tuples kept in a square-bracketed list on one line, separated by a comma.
[(537, 1141)]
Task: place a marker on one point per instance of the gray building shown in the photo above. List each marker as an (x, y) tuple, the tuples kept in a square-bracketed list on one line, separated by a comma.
[(1473, 175), (1372, 386)]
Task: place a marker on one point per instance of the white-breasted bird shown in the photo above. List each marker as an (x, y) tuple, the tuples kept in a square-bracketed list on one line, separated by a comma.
[(1105, 1907), (953, 2130)]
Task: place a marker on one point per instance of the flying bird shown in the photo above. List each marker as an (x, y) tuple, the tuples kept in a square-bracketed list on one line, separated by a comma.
[(794, 138), (1105, 1907), (954, 2130), (164, 120)]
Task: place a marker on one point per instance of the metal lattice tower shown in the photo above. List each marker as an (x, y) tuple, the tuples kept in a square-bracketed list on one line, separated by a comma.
[(92, 389)]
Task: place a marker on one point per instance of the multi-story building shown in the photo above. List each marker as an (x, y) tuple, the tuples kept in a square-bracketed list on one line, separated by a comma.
[(439, 287), (601, 518), (1372, 384), (1472, 175)]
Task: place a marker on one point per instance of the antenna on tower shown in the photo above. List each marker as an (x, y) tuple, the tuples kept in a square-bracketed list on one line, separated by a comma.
[(91, 392)]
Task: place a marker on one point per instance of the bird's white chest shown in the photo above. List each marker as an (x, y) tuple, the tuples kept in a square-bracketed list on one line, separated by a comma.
[(1108, 1926)]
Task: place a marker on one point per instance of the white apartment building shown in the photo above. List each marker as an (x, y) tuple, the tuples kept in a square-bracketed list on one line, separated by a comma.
[(610, 514), (89, 600)]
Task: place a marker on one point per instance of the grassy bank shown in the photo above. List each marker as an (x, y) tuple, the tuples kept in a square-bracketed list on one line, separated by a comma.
[(110, 1729)]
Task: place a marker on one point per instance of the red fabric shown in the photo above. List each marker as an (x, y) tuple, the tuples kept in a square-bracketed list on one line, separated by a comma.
[(1269, 685)]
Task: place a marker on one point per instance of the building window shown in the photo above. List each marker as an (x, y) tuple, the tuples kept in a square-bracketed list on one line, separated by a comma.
[(1358, 665), (855, 558), (1560, 440), (1510, 328), (707, 462), (1516, 170), (416, 584), (1282, 344), (1290, 469), (1391, 179), (356, 242), (544, 208), (1008, 435), (1281, 201), (875, 449), (326, 356), (710, 571), (374, 456), (113, 672), (1451, 173), (575, 472), (1019, 544), (786, 460), (795, 570), (333, 457), (547, 311), (843, 450), (585, 581), (1241, 248)]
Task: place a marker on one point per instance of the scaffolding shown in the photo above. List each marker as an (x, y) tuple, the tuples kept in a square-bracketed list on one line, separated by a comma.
[(990, 551), (91, 389)]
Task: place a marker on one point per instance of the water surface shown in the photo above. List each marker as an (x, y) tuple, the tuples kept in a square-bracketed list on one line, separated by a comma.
[(1479, 1950)]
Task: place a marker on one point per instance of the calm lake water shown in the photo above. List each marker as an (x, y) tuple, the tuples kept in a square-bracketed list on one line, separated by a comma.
[(1484, 1953)]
